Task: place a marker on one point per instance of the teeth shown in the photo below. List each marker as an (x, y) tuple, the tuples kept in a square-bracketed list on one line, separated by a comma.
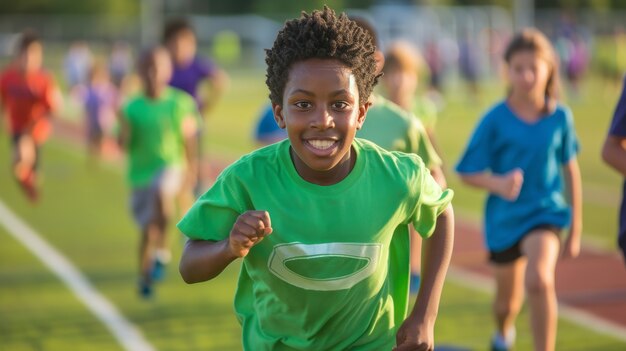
[(321, 144)]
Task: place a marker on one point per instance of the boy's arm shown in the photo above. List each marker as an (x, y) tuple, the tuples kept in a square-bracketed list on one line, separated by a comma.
[(190, 135), (573, 188), (614, 153), (123, 136), (417, 331), (204, 260)]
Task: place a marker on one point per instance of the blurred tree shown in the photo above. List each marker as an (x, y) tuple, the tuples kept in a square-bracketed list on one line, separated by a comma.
[(108, 7)]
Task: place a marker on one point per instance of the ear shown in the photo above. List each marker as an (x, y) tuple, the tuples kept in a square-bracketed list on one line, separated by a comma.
[(362, 113), (278, 115), (379, 57)]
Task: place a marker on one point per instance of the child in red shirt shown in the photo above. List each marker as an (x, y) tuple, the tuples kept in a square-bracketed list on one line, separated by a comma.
[(28, 95)]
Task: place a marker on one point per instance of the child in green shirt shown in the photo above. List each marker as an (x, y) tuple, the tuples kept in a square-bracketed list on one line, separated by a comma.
[(313, 216), (158, 132)]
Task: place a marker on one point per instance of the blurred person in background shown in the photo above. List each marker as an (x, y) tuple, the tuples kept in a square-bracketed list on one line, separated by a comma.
[(524, 154), (267, 131), (120, 63), (29, 96), (395, 129), (191, 72), (158, 130), (614, 154), (402, 72), (77, 63), (100, 101), (469, 65)]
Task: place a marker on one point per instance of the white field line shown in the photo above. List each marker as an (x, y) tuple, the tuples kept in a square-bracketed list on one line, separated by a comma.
[(124, 331), (575, 315)]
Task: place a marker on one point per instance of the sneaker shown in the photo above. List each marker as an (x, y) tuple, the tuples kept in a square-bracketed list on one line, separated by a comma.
[(158, 270), (503, 343), (29, 186), (145, 290)]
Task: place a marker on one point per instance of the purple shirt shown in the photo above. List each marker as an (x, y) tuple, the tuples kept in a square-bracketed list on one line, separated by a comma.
[(618, 129), (188, 78)]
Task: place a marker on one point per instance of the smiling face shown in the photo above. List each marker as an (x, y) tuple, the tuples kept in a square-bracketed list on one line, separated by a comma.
[(321, 112), (528, 73)]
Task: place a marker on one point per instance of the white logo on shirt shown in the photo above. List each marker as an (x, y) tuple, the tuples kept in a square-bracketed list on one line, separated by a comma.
[(298, 251)]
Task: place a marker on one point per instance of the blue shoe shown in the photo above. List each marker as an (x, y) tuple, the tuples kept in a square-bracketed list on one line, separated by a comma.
[(158, 271), (414, 283), (502, 343), (145, 290)]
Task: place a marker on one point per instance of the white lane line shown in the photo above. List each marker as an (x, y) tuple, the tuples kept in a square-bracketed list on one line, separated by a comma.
[(124, 331), (575, 315)]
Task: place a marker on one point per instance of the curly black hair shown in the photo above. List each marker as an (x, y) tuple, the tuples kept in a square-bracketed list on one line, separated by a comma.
[(321, 34)]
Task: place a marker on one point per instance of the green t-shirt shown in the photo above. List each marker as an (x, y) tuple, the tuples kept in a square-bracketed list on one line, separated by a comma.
[(392, 128), (156, 139), (327, 277), (426, 111)]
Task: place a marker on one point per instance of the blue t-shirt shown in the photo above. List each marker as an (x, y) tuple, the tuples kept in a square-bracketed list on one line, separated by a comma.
[(267, 130), (502, 142), (618, 129)]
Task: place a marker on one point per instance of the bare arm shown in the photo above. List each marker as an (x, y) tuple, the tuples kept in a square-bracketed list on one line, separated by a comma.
[(614, 153), (417, 332), (123, 137), (204, 260), (190, 135), (217, 86), (507, 186), (438, 175), (573, 187)]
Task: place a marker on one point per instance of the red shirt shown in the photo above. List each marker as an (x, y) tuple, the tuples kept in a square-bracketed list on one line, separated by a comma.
[(27, 99)]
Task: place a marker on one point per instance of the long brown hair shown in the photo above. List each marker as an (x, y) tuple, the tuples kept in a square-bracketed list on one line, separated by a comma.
[(531, 39)]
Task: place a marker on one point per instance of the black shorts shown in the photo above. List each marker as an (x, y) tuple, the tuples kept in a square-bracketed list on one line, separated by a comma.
[(514, 252), (622, 244)]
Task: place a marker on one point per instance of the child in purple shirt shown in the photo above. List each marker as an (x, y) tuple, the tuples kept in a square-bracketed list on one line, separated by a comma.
[(614, 154), (100, 101), (189, 72)]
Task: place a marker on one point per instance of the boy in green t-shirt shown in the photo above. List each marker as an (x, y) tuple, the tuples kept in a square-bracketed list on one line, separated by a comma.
[(313, 217), (158, 131)]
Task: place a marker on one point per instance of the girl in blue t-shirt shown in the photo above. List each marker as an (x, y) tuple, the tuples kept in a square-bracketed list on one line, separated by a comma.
[(521, 151)]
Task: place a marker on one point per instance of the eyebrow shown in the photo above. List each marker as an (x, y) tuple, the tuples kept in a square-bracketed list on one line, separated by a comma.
[(309, 93)]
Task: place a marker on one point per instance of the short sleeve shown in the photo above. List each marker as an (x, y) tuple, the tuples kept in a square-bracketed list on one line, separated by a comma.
[(213, 215), (188, 108), (478, 152), (570, 144), (205, 67), (432, 201), (618, 125)]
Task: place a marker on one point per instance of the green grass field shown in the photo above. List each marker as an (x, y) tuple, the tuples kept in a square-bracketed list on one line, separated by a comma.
[(84, 214)]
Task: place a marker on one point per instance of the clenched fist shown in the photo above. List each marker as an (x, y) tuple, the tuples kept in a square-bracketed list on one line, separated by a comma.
[(249, 229)]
